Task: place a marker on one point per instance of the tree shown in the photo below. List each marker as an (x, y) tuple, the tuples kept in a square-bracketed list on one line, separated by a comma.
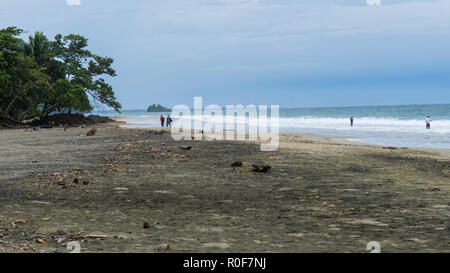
[(40, 77), (9, 59), (22, 82), (83, 71), (38, 47)]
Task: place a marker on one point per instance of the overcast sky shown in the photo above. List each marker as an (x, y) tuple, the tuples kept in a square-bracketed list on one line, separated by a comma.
[(287, 52)]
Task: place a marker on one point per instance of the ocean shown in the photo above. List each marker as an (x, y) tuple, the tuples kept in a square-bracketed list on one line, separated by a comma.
[(396, 125)]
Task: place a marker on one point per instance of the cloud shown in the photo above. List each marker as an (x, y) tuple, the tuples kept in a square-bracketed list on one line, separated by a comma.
[(244, 44)]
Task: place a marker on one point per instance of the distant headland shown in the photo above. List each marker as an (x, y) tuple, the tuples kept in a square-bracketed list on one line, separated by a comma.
[(157, 108)]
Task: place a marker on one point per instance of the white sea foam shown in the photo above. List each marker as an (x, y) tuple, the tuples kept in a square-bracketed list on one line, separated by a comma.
[(370, 124), (380, 130)]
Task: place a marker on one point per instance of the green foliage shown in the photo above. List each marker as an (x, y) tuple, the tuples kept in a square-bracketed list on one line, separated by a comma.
[(38, 47), (22, 81), (40, 76), (157, 108)]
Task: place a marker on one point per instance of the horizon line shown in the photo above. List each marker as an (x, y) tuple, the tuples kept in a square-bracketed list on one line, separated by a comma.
[(303, 107)]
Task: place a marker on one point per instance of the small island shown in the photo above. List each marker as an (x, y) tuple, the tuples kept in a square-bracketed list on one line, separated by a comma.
[(157, 108)]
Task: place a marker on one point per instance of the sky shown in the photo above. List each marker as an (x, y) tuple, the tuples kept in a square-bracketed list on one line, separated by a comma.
[(292, 53)]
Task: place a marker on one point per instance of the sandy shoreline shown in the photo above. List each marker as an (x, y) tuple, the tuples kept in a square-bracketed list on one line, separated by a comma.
[(324, 194)]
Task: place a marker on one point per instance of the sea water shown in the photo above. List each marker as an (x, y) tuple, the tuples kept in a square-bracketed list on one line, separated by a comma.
[(396, 125)]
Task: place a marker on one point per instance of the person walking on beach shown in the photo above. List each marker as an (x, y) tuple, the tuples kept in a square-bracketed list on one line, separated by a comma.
[(351, 121), (161, 118), (428, 121), (168, 121)]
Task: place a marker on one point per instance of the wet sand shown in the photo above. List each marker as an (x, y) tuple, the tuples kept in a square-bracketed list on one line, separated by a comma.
[(323, 194)]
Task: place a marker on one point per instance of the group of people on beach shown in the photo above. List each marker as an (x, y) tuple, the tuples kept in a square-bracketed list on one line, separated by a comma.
[(428, 121), (168, 121)]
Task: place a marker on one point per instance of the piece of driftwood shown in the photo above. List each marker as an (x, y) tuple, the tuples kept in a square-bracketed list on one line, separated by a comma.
[(91, 132)]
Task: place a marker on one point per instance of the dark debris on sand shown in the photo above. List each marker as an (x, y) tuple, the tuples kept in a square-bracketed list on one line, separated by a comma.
[(71, 120), (56, 120)]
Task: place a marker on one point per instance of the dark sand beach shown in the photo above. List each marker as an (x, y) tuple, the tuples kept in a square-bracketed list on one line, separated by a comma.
[(322, 194)]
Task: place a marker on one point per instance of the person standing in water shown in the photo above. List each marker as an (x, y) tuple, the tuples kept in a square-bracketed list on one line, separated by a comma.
[(351, 121), (428, 121), (161, 118)]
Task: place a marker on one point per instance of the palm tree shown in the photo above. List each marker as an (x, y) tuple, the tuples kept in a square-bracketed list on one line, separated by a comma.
[(39, 48)]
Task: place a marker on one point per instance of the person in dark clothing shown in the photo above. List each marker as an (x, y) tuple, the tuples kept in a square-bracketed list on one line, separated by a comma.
[(168, 121), (428, 121), (351, 121), (161, 118)]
